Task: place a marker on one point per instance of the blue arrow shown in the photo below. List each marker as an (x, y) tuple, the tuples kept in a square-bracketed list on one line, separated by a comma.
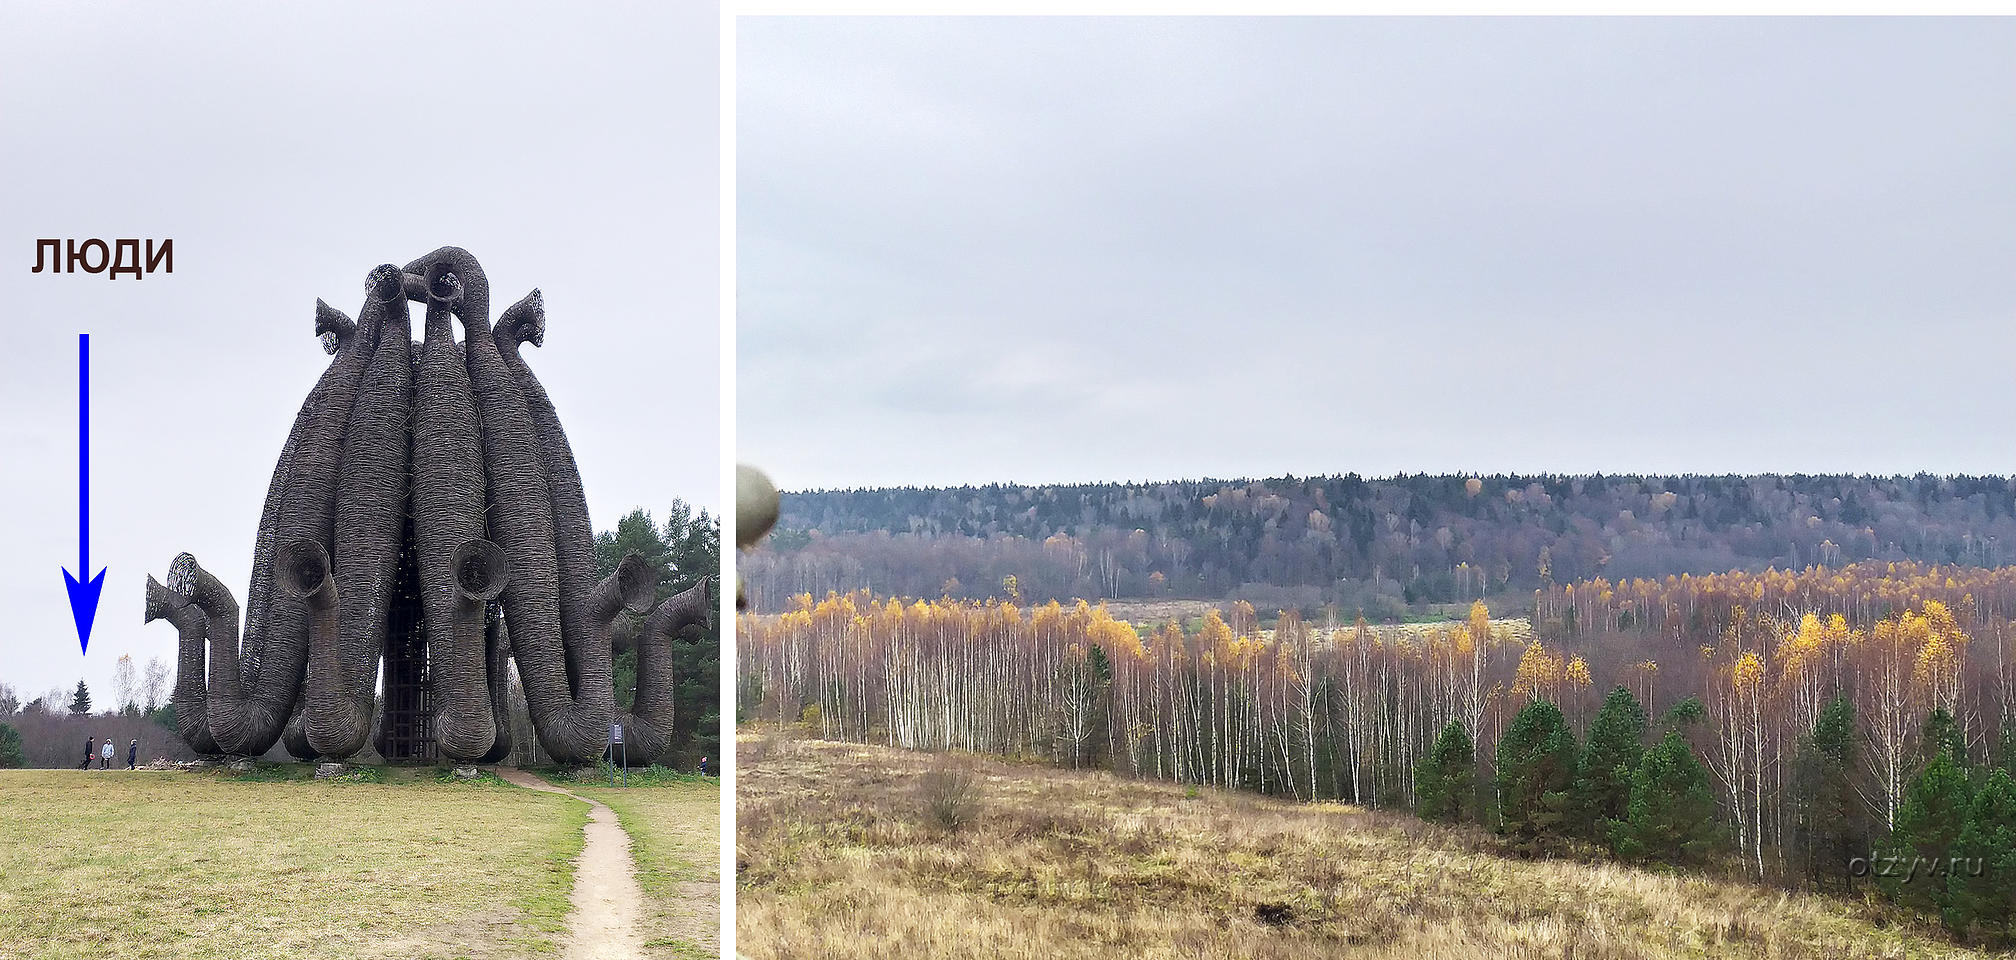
[(84, 596)]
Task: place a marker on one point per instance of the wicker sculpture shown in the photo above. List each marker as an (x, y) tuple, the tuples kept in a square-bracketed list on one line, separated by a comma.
[(427, 514)]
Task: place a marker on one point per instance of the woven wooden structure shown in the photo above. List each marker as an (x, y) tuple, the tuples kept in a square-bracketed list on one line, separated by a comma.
[(426, 516)]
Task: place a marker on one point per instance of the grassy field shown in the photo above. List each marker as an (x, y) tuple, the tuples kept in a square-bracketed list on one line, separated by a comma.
[(840, 856), (675, 840), (117, 865)]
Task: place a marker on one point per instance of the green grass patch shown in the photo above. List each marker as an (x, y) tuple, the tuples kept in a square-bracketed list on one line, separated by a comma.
[(600, 774), (680, 949), (270, 863)]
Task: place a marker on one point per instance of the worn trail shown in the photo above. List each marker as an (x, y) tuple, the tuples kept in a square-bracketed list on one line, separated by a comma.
[(608, 904)]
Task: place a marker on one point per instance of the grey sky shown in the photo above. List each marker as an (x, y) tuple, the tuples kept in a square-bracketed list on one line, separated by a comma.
[(287, 149), (1041, 250)]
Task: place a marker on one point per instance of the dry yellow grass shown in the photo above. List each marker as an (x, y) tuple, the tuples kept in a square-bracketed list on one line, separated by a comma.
[(675, 835), (111, 866), (838, 858)]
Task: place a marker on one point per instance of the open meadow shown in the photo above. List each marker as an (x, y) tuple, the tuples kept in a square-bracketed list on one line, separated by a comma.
[(265, 863), (845, 850)]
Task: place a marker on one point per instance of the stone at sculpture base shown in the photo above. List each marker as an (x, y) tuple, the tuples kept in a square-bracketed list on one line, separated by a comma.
[(467, 773), (325, 770)]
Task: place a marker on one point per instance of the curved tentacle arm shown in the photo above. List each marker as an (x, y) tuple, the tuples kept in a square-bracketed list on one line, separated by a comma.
[(465, 723), (497, 641), (244, 718), (652, 713), (629, 587), (523, 322), (273, 649), (374, 452), (460, 572), (333, 327), (295, 736), (473, 301), (192, 694), (584, 637), (572, 699), (301, 573), (325, 409), (414, 285)]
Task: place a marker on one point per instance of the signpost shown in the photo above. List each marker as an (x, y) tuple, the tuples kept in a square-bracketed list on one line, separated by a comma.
[(615, 741)]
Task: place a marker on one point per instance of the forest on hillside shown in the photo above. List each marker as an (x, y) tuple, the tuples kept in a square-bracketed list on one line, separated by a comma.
[(1805, 721), (1377, 545)]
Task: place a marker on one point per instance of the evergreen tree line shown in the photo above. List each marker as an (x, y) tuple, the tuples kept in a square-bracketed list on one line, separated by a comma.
[(1951, 855)]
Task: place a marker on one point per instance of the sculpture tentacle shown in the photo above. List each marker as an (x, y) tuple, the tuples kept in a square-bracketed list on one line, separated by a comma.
[(651, 714), (242, 719), (301, 574), (367, 533), (497, 640), (192, 694), (570, 712), (459, 570), (573, 535), (336, 332), (584, 640), (295, 735)]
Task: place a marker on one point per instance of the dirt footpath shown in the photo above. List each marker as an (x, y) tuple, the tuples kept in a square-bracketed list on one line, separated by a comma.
[(608, 904)]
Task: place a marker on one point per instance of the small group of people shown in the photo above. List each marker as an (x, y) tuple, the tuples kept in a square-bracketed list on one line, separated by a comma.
[(105, 753)]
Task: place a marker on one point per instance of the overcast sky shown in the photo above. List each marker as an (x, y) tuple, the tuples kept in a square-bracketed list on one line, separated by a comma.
[(1082, 249), (287, 149)]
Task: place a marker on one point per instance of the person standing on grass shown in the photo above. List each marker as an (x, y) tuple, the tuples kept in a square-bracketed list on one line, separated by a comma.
[(90, 750), (132, 753), (105, 755), (703, 766)]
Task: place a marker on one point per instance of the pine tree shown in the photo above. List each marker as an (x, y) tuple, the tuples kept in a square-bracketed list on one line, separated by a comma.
[(1671, 813), (1609, 760), (1831, 815), (1687, 712), (1983, 882), (80, 702), (1942, 732), (1101, 669), (1929, 821), (1536, 769), (1446, 780), (10, 747)]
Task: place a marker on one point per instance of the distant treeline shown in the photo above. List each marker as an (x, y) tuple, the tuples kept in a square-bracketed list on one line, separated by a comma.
[(38, 737), (1375, 545)]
